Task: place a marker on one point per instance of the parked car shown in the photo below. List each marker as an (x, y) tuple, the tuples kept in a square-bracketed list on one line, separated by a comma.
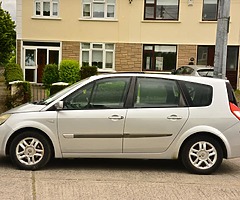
[(195, 70), (128, 115)]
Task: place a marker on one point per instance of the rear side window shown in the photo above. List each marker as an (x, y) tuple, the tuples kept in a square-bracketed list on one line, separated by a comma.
[(205, 72), (197, 94), (231, 95), (150, 93)]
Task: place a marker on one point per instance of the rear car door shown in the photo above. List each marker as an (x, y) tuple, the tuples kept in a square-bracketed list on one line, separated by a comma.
[(157, 116), (93, 117)]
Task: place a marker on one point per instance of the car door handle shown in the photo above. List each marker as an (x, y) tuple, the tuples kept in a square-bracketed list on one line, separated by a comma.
[(174, 117), (116, 117)]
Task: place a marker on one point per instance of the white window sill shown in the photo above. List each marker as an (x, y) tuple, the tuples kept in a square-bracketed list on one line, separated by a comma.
[(98, 19), (208, 22), (160, 21), (45, 18), (106, 70)]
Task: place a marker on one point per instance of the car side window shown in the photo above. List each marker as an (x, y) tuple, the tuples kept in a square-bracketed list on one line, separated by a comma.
[(184, 70), (110, 93), (79, 99), (151, 92), (197, 94), (179, 70), (103, 94), (188, 70)]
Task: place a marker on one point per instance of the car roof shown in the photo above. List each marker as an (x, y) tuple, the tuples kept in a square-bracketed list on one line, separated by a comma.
[(198, 67), (203, 80)]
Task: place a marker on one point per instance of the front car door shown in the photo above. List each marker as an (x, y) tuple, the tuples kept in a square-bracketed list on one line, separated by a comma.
[(157, 116), (93, 117)]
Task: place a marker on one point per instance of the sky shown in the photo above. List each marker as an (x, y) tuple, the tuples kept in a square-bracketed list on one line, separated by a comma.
[(10, 6)]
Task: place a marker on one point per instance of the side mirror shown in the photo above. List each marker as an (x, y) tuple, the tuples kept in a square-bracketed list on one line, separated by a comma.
[(59, 105)]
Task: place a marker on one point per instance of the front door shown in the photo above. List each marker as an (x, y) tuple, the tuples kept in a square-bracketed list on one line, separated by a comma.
[(41, 61), (93, 117)]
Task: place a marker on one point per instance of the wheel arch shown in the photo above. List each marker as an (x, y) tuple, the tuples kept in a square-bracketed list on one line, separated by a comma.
[(7, 150), (215, 137)]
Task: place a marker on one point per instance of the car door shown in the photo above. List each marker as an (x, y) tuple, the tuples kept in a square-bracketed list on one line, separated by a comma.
[(93, 117), (157, 116)]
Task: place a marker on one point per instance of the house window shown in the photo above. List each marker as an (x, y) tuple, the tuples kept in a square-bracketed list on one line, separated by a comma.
[(46, 8), (161, 9), (98, 54), (98, 9), (210, 10), (159, 57)]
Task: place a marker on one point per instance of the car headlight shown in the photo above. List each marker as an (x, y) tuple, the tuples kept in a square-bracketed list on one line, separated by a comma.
[(3, 118)]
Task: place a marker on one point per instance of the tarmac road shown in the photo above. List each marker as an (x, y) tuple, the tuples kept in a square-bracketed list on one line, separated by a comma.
[(100, 179)]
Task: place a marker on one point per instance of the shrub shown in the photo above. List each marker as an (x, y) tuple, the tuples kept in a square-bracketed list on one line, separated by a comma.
[(87, 71), (56, 88), (13, 72), (21, 96), (50, 75), (69, 71)]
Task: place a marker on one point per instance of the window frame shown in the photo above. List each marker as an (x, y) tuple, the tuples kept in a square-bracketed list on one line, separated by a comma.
[(104, 51), (51, 2), (153, 54), (154, 6), (91, 6), (212, 19)]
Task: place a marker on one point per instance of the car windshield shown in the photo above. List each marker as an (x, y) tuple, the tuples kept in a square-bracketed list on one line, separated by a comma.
[(205, 72), (60, 93)]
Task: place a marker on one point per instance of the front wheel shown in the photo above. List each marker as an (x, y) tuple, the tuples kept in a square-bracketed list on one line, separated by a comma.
[(201, 155), (30, 150)]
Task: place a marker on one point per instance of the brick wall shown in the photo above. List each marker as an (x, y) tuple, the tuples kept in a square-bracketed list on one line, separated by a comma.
[(70, 50), (185, 52), (128, 57)]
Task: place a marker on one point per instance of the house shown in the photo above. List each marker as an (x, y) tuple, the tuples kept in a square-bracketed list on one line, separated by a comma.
[(123, 35)]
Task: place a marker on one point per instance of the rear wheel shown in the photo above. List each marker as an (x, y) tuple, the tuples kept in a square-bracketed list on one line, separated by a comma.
[(202, 155), (30, 150)]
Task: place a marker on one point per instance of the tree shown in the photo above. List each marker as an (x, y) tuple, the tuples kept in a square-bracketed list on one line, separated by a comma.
[(7, 36)]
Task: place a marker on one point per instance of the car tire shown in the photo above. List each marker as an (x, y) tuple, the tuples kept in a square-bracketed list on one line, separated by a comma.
[(201, 155), (30, 150)]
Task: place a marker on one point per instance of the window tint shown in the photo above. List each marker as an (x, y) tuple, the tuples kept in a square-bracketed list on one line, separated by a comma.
[(197, 94), (104, 94), (151, 93), (110, 93), (205, 72), (79, 99)]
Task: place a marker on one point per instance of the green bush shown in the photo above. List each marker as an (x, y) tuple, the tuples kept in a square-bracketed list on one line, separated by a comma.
[(87, 71), (69, 71), (50, 75), (22, 95), (13, 72), (56, 88)]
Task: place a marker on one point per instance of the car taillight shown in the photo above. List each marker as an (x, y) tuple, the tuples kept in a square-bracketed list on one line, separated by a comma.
[(235, 110)]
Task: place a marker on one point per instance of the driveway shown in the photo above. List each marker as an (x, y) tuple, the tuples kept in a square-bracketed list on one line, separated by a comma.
[(97, 179)]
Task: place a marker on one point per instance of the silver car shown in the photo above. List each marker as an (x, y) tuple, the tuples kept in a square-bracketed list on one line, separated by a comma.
[(195, 70), (128, 115)]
